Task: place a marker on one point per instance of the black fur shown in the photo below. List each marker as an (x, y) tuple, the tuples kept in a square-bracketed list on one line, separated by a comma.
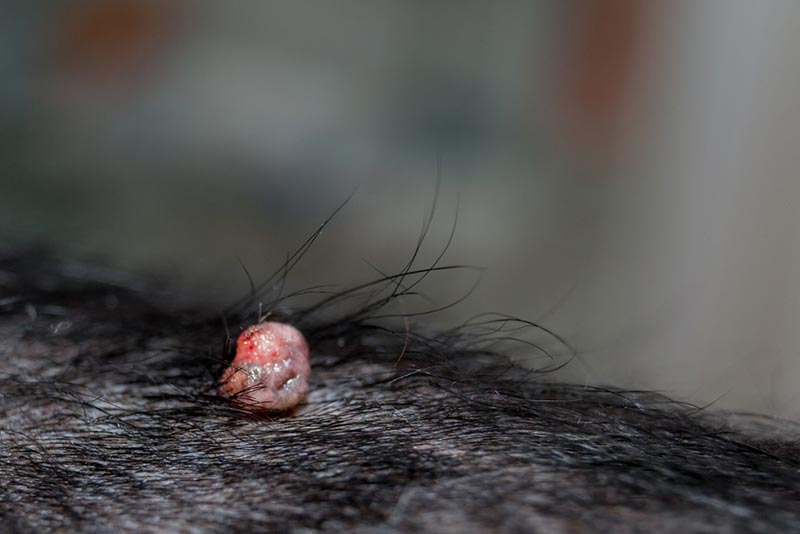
[(109, 422)]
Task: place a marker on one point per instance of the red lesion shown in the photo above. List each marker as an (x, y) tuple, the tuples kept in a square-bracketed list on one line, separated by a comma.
[(269, 356), (261, 343)]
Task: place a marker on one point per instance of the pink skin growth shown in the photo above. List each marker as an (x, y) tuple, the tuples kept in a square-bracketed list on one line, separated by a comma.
[(270, 371)]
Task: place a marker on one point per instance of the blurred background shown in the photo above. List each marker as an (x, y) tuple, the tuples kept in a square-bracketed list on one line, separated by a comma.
[(625, 170)]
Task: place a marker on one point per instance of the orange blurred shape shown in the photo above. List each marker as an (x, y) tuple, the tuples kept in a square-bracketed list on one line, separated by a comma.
[(109, 41), (603, 43)]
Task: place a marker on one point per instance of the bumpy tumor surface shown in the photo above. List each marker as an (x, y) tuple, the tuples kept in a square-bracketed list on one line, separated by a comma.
[(270, 371)]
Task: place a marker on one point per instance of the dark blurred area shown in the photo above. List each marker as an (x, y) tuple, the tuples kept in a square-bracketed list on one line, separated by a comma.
[(624, 169)]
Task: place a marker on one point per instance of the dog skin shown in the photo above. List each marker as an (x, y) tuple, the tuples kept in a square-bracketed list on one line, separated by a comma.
[(110, 421)]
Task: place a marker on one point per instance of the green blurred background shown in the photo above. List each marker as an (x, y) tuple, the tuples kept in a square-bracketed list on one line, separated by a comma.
[(624, 169)]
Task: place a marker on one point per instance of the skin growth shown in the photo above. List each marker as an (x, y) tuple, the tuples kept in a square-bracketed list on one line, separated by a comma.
[(270, 371)]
